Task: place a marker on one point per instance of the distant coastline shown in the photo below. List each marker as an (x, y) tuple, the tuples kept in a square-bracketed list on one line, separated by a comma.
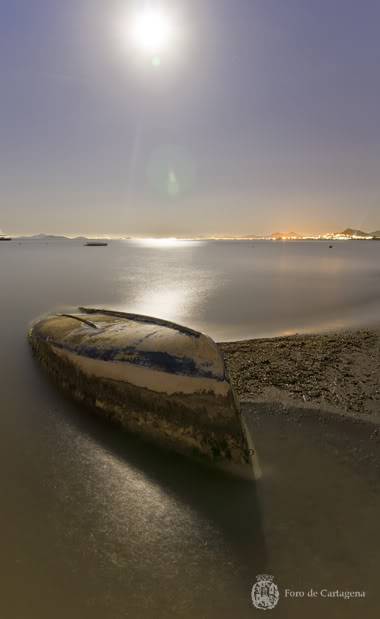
[(349, 234)]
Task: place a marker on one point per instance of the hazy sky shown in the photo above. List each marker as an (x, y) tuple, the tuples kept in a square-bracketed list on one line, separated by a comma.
[(264, 115)]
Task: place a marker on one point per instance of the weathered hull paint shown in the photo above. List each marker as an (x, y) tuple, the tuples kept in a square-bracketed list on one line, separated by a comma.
[(162, 381)]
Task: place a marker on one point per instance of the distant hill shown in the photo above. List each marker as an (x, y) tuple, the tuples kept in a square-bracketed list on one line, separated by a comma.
[(43, 237), (55, 237), (359, 233), (353, 232)]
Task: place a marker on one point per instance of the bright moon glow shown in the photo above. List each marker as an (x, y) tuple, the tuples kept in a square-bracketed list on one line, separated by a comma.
[(152, 31), (164, 242)]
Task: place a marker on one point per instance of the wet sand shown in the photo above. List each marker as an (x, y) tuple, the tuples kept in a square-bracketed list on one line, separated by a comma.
[(311, 406), (319, 506)]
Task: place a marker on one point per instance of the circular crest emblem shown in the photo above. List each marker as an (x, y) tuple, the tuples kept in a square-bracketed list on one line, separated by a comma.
[(265, 593)]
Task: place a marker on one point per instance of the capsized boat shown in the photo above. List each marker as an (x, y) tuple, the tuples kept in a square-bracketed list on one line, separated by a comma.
[(155, 378)]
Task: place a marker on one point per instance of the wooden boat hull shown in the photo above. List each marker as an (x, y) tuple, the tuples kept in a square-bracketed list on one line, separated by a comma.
[(162, 381)]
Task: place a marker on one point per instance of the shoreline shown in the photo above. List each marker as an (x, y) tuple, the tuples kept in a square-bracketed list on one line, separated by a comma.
[(336, 372)]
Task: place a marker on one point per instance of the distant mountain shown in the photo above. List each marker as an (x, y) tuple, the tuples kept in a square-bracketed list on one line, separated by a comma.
[(43, 237), (376, 233), (352, 232), (55, 237)]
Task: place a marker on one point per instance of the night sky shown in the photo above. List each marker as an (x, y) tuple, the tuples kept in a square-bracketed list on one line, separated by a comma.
[(263, 115)]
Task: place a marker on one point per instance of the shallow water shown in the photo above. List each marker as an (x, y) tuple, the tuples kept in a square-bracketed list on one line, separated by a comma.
[(228, 289), (96, 524)]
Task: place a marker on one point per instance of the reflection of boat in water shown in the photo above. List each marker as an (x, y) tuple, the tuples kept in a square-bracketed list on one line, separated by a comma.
[(157, 379), (96, 244), (5, 238)]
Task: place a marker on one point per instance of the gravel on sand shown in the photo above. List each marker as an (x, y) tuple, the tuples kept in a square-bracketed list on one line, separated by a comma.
[(334, 371)]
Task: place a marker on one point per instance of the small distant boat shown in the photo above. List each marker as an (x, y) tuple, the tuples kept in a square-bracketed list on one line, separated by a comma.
[(155, 378), (96, 244), (5, 238)]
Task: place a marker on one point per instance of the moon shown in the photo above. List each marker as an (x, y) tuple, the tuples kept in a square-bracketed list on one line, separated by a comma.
[(152, 30)]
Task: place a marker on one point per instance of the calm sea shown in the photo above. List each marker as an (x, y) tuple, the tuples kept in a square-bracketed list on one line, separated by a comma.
[(95, 524)]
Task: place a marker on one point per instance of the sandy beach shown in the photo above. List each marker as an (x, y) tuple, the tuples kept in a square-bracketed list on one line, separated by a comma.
[(337, 372), (311, 405)]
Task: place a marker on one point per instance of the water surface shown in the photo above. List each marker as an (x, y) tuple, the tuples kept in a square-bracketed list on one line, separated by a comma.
[(96, 524), (228, 289)]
